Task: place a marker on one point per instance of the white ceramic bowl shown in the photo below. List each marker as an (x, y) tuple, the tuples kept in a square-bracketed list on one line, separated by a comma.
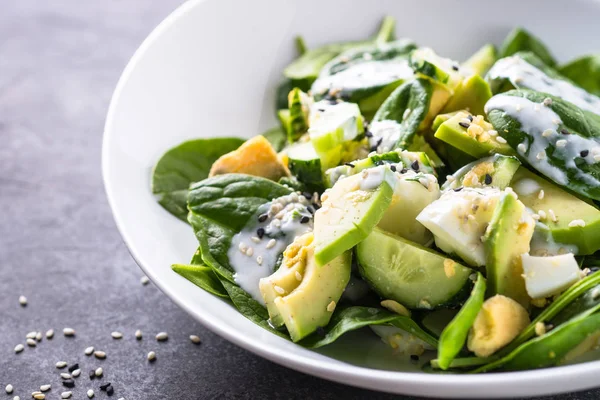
[(210, 69)]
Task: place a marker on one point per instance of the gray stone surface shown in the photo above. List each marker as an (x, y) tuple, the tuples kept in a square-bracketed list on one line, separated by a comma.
[(59, 62)]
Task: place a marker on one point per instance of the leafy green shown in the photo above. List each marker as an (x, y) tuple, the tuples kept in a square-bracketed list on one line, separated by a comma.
[(277, 138), (183, 164), (521, 40), (413, 96), (220, 207), (352, 318), (305, 69), (281, 94), (202, 276), (575, 121), (585, 72)]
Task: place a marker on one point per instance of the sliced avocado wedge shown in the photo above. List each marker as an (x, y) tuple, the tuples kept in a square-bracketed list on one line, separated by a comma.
[(480, 62), (496, 171), (565, 208), (506, 239), (350, 211), (410, 274), (471, 94), (472, 135), (303, 295)]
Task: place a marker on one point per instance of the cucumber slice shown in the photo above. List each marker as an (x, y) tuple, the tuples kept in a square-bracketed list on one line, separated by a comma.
[(410, 274), (305, 164), (500, 169)]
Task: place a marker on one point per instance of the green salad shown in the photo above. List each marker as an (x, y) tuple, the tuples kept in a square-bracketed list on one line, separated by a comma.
[(449, 207)]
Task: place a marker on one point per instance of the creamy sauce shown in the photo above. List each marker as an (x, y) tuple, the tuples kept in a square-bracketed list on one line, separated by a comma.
[(541, 123), (363, 75), (522, 74), (326, 118), (385, 135), (254, 257), (526, 187), (372, 178), (543, 244)]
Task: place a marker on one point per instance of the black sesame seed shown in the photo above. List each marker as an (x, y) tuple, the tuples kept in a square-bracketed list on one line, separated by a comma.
[(262, 217), (260, 232), (565, 132), (92, 374), (321, 332), (349, 164), (403, 171), (415, 165), (304, 219), (310, 209), (378, 163), (470, 117), (584, 153), (70, 383), (368, 134), (488, 179), (464, 125), (73, 367), (307, 195), (332, 100), (320, 109), (345, 96), (594, 269), (393, 168), (316, 206), (414, 357), (458, 189), (455, 67), (110, 391), (105, 386)]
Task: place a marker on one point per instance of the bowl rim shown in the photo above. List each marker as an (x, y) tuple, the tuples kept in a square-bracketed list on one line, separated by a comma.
[(335, 371)]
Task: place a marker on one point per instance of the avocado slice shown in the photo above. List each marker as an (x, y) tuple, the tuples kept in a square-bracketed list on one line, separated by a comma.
[(351, 209), (506, 239), (471, 94), (307, 299), (473, 135), (565, 207), (496, 171), (480, 62), (411, 274), (441, 118)]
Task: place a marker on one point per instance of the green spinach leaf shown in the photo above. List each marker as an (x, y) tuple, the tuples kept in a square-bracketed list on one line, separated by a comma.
[(521, 40), (202, 276), (183, 164), (277, 138), (585, 72)]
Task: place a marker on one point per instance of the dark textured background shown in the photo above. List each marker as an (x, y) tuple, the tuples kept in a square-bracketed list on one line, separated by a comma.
[(59, 62)]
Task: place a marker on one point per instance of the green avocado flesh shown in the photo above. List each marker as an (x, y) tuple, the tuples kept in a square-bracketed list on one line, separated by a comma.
[(409, 273)]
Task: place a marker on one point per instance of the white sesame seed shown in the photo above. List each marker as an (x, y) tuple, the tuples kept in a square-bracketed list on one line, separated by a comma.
[(50, 334), (23, 300), (100, 354), (45, 388), (39, 396), (76, 373), (69, 332), (31, 342), (541, 194), (279, 289), (535, 216), (492, 132), (331, 306), (195, 339), (259, 260), (90, 393), (271, 244), (250, 252), (66, 395), (561, 143), (522, 148), (556, 121), (541, 155), (500, 139), (116, 335), (547, 132), (162, 336), (61, 364), (36, 392), (31, 335), (19, 348), (298, 276), (242, 246), (279, 215), (552, 215), (576, 222), (89, 350), (542, 214), (255, 239), (151, 356), (547, 101), (9, 388), (99, 371), (16, 398), (138, 334), (65, 375), (597, 157), (144, 280), (39, 336)]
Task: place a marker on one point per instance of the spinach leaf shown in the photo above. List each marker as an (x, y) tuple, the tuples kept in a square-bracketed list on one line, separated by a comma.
[(277, 138), (220, 207), (572, 164), (353, 318), (585, 72), (408, 105), (521, 40), (183, 164), (305, 69), (281, 94), (202, 276)]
